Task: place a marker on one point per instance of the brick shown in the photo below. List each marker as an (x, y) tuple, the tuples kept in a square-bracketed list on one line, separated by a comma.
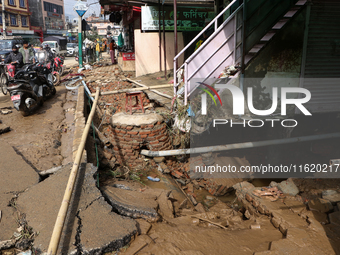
[(143, 136), (159, 122), (145, 132), (163, 139), (129, 127), (132, 132), (160, 136), (127, 146), (150, 126), (143, 126), (121, 131), (154, 142)]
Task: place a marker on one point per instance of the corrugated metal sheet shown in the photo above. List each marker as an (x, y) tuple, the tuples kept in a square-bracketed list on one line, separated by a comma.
[(322, 70)]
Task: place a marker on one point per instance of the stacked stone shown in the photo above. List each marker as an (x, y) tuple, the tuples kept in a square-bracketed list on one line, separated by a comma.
[(128, 141)]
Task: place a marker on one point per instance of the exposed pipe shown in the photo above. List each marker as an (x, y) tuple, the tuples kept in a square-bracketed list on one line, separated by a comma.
[(237, 146), (159, 36), (164, 44), (58, 227)]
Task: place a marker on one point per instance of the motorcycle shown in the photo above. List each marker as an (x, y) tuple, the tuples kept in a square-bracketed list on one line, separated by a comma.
[(52, 62), (31, 86)]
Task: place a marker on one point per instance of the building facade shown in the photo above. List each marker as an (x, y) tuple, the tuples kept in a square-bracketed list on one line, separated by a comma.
[(17, 18), (49, 15)]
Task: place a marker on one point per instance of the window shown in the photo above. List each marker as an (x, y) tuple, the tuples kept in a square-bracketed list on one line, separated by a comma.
[(22, 3), (53, 8), (1, 18), (11, 2), (24, 21), (13, 18)]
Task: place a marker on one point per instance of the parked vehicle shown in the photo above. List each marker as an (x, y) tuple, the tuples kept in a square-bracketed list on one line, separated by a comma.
[(72, 49), (46, 57), (31, 86), (7, 43), (58, 44)]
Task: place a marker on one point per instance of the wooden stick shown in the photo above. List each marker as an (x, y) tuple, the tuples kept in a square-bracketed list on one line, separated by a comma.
[(58, 227), (152, 90), (132, 90), (141, 247), (193, 216)]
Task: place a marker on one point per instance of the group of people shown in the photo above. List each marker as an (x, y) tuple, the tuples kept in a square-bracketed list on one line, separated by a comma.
[(19, 57), (112, 47)]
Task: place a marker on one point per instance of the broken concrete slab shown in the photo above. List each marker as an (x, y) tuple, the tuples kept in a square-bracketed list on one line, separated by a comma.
[(165, 205), (331, 195), (136, 119), (321, 205), (334, 218), (288, 187), (8, 224), (90, 226), (132, 203), (143, 226), (12, 167)]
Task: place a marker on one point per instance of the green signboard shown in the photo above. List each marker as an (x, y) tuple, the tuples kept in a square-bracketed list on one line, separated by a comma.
[(188, 18)]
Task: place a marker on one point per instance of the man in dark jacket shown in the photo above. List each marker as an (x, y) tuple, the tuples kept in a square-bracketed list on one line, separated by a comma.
[(15, 58)]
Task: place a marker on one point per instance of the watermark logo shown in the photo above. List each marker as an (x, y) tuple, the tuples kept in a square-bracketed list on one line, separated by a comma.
[(239, 99)]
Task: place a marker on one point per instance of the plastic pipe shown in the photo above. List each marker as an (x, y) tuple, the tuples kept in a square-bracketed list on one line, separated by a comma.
[(237, 146)]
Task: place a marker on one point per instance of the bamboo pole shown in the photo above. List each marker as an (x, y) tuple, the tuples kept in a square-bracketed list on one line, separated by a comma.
[(58, 227), (133, 89), (152, 90)]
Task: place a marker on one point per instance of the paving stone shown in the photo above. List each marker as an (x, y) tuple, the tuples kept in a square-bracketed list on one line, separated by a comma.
[(132, 203), (12, 167)]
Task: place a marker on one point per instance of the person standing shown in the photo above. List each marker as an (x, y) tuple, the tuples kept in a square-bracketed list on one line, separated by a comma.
[(27, 53), (97, 49), (113, 47)]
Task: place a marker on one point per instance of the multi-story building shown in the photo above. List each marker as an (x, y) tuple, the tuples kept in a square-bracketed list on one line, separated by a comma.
[(49, 14), (17, 18)]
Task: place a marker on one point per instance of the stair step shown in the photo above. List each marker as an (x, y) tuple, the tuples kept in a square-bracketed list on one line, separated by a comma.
[(301, 2), (280, 23), (256, 48), (247, 58), (291, 12), (267, 37)]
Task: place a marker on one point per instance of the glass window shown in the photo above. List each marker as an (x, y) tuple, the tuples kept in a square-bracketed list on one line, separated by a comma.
[(11, 2), (24, 21), (22, 3), (13, 19), (0, 18), (49, 7)]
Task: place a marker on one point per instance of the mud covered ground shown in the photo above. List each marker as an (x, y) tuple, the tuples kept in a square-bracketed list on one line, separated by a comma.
[(44, 140)]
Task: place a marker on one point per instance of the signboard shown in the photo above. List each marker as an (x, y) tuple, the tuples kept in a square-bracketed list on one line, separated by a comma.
[(53, 14), (80, 8), (8, 32), (188, 19), (127, 56)]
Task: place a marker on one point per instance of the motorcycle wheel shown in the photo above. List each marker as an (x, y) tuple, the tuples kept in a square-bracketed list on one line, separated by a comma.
[(3, 83), (23, 107), (56, 79)]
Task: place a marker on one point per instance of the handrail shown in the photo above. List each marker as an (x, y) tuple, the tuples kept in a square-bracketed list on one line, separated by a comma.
[(201, 33), (215, 32)]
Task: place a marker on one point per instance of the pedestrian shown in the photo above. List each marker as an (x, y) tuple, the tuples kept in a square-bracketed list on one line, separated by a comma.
[(97, 49), (113, 47), (15, 58), (27, 53)]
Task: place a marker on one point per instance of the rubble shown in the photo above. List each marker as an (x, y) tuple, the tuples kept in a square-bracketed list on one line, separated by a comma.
[(331, 195)]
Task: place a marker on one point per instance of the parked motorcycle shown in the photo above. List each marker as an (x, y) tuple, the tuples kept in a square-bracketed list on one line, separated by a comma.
[(46, 56), (31, 86)]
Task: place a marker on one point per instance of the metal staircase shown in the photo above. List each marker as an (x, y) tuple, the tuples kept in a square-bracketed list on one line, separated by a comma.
[(238, 39)]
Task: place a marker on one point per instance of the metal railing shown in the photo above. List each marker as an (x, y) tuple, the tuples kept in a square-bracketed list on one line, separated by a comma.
[(217, 29)]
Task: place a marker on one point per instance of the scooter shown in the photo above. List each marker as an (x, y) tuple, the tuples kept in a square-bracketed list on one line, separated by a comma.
[(30, 88)]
